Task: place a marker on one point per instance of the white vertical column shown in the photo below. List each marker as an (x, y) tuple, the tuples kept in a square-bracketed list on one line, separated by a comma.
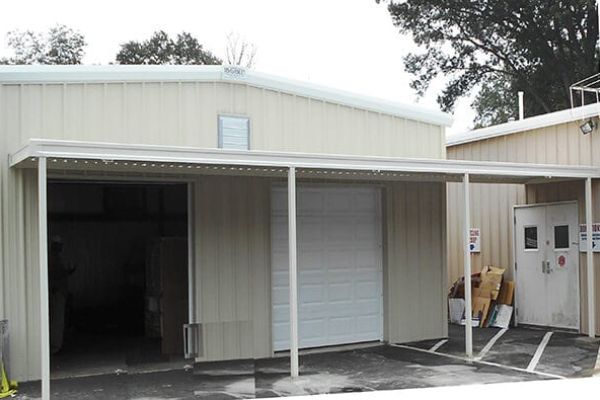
[(43, 257), (591, 301), (467, 268), (521, 106), (293, 272), (191, 244)]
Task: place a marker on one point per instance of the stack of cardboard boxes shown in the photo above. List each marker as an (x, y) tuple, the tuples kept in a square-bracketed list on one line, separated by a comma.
[(492, 299)]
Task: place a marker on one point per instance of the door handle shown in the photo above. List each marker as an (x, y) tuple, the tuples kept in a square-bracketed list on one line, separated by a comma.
[(546, 267)]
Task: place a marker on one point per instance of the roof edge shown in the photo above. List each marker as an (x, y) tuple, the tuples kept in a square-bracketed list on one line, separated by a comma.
[(526, 124), (40, 74)]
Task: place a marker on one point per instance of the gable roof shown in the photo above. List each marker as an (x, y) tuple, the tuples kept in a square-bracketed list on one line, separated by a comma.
[(40, 74), (526, 124)]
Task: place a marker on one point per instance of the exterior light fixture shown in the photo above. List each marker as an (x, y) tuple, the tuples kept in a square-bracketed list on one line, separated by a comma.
[(587, 127)]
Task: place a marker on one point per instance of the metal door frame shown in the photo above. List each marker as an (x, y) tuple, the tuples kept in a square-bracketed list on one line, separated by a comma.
[(514, 255)]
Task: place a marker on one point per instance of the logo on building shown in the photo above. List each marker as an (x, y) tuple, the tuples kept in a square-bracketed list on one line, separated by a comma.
[(233, 72)]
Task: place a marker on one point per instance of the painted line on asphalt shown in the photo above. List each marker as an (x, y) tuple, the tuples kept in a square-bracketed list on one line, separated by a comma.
[(489, 344), (491, 364), (597, 367), (538, 353), (439, 344)]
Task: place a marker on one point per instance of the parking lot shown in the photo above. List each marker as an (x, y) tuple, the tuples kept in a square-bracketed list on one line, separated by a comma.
[(514, 355)]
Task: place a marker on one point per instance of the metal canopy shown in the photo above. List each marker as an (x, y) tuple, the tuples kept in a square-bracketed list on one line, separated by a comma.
[(78, 155)]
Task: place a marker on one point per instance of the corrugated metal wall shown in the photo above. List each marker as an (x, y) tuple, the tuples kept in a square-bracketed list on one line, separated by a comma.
[(234, 271), (182, 114), (491, 205), (414, 261), (233, 267), (185, 114)]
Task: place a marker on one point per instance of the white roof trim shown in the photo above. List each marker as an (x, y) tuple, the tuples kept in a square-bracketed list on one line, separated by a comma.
[(540, 121), (41, 74), (124, 152)]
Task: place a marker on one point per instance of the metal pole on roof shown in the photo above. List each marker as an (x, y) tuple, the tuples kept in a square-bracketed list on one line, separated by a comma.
[(43, 260), (591, 303), (467, 268), (521, 111), (293, 271)]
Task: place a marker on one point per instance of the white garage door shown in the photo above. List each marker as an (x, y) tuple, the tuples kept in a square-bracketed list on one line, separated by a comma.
[(340, 276)]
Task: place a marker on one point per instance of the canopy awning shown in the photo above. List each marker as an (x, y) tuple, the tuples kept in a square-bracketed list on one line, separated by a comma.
[(129, 158)]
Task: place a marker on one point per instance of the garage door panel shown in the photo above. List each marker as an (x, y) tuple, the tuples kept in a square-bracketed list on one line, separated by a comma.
[(339, 267), (340, 291), (312, 294), (311, 260), (339, 231), (341, 326), (339, 260)]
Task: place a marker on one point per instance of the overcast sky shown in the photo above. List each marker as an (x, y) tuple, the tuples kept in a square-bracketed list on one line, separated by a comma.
[(347, 44)]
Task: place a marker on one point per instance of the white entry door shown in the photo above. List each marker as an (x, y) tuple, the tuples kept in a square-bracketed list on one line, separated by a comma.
[(547, 257), (340, 274)]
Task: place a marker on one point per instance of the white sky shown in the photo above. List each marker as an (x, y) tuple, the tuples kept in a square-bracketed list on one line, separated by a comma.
[(347, 44)]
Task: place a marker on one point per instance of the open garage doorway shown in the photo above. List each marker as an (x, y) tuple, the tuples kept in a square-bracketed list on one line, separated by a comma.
[(118, 275)]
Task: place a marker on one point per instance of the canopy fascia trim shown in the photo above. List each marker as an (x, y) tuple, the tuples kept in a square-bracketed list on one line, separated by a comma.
[(452, 169)]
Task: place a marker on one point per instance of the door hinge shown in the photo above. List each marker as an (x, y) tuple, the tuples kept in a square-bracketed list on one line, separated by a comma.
[(514, 219), (515, 266)]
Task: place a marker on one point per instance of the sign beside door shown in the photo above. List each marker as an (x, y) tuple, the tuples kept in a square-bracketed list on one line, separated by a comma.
[(475, 240), (595, 238)]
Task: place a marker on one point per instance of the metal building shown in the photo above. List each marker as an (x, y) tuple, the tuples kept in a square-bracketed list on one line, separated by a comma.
[(288, 215), (506, 214)]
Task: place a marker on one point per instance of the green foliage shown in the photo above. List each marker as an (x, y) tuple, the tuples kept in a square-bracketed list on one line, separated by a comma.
[(60, 45), (539, 46), (495, 103), (161, 49)]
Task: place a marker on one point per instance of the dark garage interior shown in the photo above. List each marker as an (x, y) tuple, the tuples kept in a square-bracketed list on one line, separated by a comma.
[(118, 281)]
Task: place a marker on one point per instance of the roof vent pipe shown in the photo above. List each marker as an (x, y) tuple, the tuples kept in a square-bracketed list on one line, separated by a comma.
[(521, 113)]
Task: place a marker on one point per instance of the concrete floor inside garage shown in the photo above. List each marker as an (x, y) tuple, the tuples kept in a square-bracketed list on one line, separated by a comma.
[(367, 368)]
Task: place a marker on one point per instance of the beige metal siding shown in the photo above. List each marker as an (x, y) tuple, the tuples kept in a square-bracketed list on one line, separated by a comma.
[(415, 262), (233, 287), (491, 204), (185, 114), (233, 268)]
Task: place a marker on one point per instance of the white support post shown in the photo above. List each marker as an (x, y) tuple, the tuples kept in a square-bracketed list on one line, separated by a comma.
[(467, 269), (591, 303), (521, 106), (191, 244), (43, 258), (293, 271)]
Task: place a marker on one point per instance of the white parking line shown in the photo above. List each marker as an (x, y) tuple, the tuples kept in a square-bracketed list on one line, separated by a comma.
[(508, 367), (489, 344), (439, 344), (538, 353)]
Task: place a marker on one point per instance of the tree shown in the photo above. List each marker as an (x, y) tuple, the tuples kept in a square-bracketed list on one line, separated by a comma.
[(161, 49), (60, 45), (540, 47), (239, 52)]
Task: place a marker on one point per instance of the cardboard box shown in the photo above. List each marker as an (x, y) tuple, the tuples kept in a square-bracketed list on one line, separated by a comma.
[(507, 292), (481, 306), (491, 281)]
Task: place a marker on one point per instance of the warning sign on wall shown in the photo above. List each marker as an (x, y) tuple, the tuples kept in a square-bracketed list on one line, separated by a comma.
[(595, 238), (475, 240)]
